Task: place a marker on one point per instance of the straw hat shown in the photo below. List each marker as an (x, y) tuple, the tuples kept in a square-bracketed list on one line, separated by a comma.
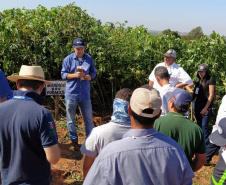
[(30, 73)]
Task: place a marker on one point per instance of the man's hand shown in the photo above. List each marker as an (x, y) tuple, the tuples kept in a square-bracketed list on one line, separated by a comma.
[(80, 75), (151, 83), (87, 77)]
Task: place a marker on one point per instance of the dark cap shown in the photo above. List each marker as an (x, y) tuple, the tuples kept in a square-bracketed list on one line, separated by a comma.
[(78, 43), (180, 97), (219, 136), (171, 53), (202, 67)]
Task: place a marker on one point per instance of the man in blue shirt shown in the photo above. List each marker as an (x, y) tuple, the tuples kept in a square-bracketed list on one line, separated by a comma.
[(78, 69), (29, 141), (5, 91), (144, 156)]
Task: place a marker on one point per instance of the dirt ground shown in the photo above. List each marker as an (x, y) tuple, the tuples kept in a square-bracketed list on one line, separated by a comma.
[(68, 171)]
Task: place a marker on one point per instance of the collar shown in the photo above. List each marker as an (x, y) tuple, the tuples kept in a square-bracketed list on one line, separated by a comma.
[(140, 132), (172, 65), (176, 114), (36, 97), (167, 85)]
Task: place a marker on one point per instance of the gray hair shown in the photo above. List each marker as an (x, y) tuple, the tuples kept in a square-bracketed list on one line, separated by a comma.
[(162, 72)]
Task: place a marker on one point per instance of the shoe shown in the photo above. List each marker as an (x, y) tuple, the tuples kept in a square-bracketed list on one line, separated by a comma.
[(76, 146), (207, 163)]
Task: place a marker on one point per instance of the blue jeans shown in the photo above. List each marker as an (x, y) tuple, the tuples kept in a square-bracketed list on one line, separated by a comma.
[(203, 122), (210, 151), (86, 109)]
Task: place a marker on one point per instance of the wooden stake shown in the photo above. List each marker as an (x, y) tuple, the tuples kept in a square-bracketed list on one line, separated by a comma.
[(57, 98)]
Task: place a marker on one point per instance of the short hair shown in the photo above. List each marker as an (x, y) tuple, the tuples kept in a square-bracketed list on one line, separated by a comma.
[(144, 121), (162, 72), (34, 84), (182, 109), (124, 94)]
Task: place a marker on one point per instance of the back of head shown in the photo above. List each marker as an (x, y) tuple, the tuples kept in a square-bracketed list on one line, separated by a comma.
[(145, 104), (162, 72), (120, 106), (181, 99), (124, 94), (32, 84)]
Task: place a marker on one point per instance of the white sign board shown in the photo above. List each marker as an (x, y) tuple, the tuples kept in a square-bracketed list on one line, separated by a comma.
[(57, 88)]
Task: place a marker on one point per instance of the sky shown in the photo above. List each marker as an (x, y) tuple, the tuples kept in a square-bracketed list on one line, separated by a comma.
[(159, 15)]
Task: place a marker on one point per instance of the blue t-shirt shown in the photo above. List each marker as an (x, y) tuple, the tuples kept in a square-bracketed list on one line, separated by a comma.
[(5, 90), (26, 128)]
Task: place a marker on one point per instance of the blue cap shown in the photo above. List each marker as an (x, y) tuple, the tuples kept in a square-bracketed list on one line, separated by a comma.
[(219, 136), (180, 97), (78, 43)]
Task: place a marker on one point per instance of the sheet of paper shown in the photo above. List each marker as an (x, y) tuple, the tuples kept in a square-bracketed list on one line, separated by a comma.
[(85, 66), (197, 90)]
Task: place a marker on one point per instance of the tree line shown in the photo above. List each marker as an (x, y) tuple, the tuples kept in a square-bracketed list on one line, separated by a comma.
[(124, 56)]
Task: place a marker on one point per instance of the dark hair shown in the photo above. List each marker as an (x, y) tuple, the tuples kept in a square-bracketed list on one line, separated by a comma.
[(162, 72), (34, 84), (183, 108), (143, 120), (124, 94), (203, 82)]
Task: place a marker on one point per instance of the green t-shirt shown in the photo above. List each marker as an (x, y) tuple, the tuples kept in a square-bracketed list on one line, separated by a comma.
[(187, 133)]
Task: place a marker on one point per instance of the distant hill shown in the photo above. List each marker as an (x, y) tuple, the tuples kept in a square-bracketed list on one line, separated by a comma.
[(155, 32)]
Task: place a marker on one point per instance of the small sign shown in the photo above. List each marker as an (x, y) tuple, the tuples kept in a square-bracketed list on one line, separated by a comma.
[(57, 88)]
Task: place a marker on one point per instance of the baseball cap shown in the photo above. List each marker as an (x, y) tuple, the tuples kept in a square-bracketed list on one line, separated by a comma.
[(171, 53), (202, 67), (180, 97), (219, 136), (78, 42), (146, 97)]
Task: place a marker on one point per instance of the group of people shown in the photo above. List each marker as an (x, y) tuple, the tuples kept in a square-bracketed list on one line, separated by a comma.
[(149, 139)]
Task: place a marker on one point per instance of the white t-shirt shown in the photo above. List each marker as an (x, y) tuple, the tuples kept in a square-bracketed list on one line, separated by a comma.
[(165, 93), (222, 110), (177, 75), (103, 135), (221, 113)]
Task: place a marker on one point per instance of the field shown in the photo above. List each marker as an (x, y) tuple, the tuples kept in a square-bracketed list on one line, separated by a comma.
[(69, 169)]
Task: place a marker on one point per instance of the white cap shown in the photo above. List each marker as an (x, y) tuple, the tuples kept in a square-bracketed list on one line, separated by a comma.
[(146, 98), (171, 53)]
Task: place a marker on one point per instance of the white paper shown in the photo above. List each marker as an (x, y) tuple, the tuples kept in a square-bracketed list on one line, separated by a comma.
[(85, 66), (224, 154), (197, 90)]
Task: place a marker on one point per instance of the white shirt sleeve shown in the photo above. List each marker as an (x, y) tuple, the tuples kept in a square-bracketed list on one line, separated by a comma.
[(183, 77), (221, 114), (90, 146), (152, 76)]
